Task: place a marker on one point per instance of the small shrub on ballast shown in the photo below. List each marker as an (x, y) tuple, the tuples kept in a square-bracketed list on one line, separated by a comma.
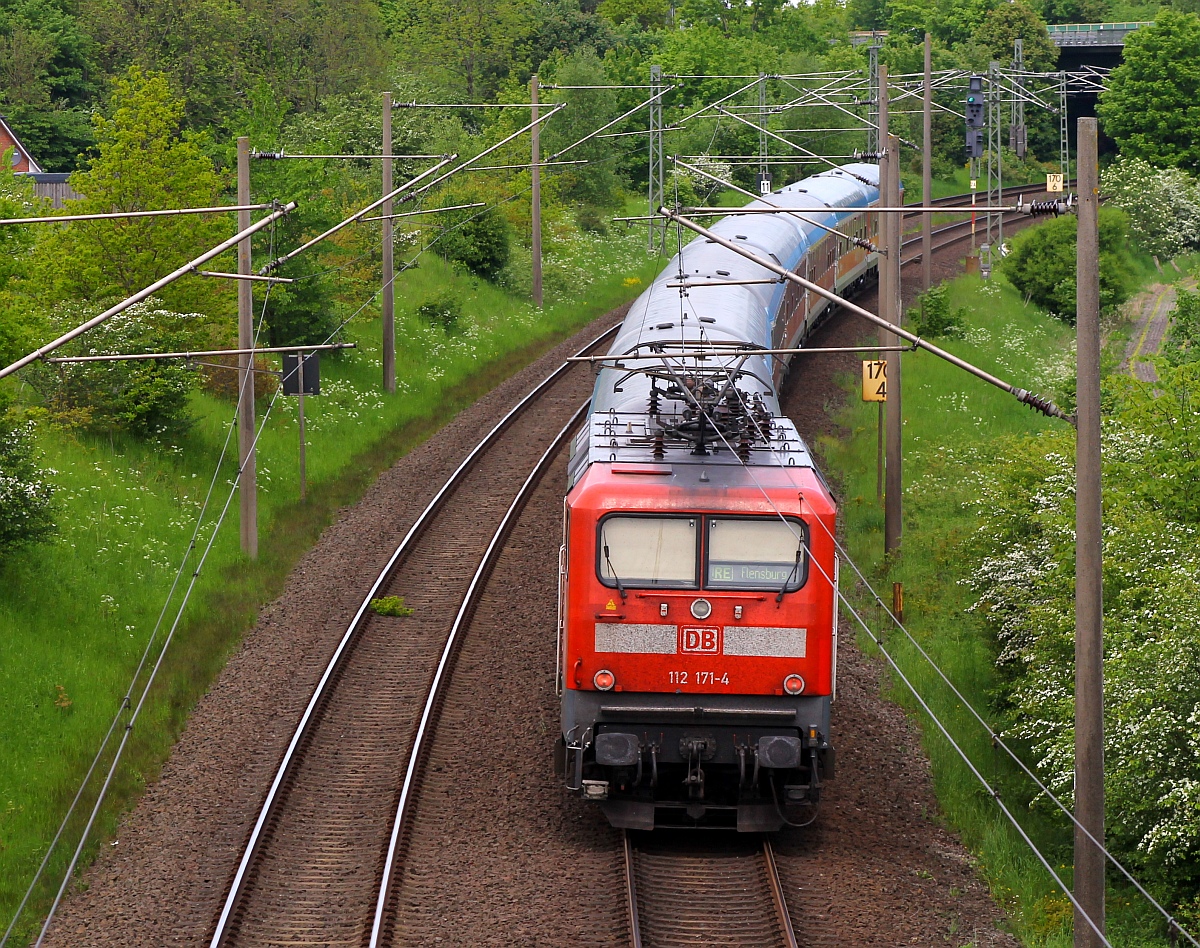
[(935, 316), (443, 310), (391, 606)]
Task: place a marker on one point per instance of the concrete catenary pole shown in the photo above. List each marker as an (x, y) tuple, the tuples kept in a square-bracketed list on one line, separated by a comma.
[(1089, 606), (893, 490), (881, 132), (535, 241), (389, 263), (247, 486), (926, 169)]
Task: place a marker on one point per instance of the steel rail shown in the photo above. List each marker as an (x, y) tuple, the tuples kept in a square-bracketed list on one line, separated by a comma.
[(777, 896), (320, 692), (635, 927), (442, 675)]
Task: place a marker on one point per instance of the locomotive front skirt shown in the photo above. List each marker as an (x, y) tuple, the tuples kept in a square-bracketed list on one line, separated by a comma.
[(697, 640)]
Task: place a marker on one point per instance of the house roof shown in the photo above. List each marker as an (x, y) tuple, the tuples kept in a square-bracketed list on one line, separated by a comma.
[(8, 133)]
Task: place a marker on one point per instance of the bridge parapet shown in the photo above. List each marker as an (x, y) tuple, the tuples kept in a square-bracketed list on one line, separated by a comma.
[(1092, 34)]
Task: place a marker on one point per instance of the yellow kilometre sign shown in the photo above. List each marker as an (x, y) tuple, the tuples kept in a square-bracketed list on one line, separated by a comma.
[(1054, 183), (874, 380)]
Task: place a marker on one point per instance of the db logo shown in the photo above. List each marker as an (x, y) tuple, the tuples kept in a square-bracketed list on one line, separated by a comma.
[(699, 639)]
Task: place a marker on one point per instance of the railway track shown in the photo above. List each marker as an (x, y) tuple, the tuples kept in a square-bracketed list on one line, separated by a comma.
[(704, 890), (957, 231), (325, 841), (326, 860)]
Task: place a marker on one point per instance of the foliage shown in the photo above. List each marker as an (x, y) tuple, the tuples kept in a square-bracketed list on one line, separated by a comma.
[(444, 309), (595, 183), (480, 242), (1163, 205), (467, 45), (935, 316), (20, 326), (1042, 263), (26, 493), (214, 50), (146, 398), (1182, 344), (1151, 105), (1011, 21), (46, 61), (143, 163), (1024, 583), (391, 606)]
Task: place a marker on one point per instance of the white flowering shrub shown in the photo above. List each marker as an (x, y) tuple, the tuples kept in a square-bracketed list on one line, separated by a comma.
[(26, 509), (149, 398), (1163, 204), (1024, 581)]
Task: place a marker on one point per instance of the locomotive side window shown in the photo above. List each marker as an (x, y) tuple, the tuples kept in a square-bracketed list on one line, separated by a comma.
[(648, 552), (756, 553)]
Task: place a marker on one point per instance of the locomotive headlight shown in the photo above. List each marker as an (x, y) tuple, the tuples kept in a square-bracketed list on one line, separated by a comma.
[(605, 680), (701, 609), (793, 684)]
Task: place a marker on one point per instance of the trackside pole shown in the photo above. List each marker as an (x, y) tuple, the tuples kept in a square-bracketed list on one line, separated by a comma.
[(535, 241), (893, 491), (1089, 605), (388, 302), (927, 170), (247, 478), (883, 270)]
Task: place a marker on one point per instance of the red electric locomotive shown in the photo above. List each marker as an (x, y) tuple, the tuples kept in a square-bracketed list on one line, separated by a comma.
[(698, 603)]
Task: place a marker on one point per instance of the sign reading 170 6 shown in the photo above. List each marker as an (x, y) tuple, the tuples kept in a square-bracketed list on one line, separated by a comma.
[(874, 386)]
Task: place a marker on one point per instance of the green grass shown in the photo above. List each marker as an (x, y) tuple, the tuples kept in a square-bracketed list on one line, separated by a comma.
[(951, 422), (77, 612)]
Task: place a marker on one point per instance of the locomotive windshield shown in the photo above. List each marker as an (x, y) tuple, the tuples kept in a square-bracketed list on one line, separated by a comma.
[(756, 553), (648, 551)]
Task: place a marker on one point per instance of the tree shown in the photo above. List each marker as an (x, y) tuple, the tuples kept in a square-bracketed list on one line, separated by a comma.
[(562, 26), (143, 163), (1011, 21), (646, 13), (469, 44), (45, 62), (1151, 106), (595, 183)]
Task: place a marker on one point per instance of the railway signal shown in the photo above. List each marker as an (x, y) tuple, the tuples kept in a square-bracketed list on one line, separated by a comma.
[(974, 117)]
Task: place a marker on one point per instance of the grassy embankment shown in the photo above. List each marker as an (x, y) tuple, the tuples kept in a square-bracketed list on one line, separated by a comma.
[(952, 422), (77, 612)]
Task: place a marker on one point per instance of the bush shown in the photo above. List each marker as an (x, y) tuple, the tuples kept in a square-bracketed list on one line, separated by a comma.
[(479, 243), (146, 399), (1042, 263), (1183, 337), (935, 317), (26, 510), (443, 310), (1024, 580)]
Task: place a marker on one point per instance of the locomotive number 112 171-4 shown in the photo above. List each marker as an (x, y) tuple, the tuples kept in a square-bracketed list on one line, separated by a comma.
[(698, 678)]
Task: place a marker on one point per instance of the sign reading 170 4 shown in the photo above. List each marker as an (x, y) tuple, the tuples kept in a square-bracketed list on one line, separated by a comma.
[(874, 382)]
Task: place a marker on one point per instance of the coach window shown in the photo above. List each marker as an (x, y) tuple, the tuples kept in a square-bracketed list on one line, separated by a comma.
[(648, 552), (756, 553)]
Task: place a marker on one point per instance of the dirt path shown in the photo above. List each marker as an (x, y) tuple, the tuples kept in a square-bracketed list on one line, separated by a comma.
[(1152, 310)]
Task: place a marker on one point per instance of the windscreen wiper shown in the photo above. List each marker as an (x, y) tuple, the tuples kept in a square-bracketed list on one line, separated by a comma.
[(612, 569), (795, 566)]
